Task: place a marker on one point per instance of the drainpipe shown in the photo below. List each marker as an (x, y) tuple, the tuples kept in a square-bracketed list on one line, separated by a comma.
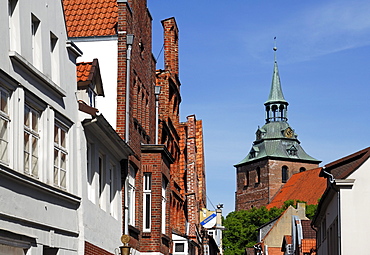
[(157, 91), (129, 41)]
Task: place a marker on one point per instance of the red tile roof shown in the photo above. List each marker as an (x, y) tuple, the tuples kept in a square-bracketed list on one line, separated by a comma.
[(305, 186), (88, 73), (86, 18), (275, 251), (343, 167), (83, 71), (308, 245), (308, 232)]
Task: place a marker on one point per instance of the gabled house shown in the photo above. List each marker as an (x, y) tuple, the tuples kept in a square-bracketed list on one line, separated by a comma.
[(340, 221), (39, 173), (271, 234), (102, 160), (302, 241)]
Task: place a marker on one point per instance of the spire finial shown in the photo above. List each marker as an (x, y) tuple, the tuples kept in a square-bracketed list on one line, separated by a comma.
[(275, 48)]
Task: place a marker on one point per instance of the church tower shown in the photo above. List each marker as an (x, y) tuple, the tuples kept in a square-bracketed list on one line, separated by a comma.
[(276, 154)]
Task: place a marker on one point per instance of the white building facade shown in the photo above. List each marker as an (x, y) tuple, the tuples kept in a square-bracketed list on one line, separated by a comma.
[(60, 167), (38, 175), (341, 220)]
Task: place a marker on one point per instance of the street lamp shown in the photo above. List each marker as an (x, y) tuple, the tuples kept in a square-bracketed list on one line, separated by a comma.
[(125, 248)]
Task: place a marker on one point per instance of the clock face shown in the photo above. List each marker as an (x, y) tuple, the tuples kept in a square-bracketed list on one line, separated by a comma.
[(288, 132)]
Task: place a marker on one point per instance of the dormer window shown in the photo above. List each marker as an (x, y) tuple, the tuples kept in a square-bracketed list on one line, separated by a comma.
[(92, 96), (292, 151), (254, 152)]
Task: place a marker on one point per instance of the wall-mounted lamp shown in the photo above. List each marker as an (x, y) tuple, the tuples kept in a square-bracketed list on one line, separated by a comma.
[(125, 248), (130, 39)]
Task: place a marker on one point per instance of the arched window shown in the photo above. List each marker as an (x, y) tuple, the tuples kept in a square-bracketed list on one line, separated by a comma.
[(302, 169), (258, 175), (284, 174), (246, 180)]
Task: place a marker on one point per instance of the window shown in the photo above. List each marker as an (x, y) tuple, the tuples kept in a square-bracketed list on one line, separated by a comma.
[(36, 42), (14, 25), (246, 178), (258, 175), (164, 202), (4, 126), (112, 189), (54, 55), (92, 96), (31, 141), (302, 169), (147, 200), (102, 181), (284, 174), (90, 174), (130, 189), (333, 238), (60, 156), (179, 247)]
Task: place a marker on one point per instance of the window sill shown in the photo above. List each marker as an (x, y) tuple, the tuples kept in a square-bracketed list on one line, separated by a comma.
[(53, 87), (36, 184)]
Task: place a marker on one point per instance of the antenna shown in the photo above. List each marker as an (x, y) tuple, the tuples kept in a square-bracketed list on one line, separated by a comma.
[(275, 48)]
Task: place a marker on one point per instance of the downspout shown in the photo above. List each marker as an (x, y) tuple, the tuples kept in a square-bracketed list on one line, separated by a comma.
[(157, 91), (129, 41)]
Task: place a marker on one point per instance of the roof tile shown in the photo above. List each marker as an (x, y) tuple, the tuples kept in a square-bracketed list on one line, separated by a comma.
[(305, 186), (90, 18)]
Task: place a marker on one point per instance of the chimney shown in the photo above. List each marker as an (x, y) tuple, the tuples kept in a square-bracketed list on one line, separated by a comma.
[(171, 45)]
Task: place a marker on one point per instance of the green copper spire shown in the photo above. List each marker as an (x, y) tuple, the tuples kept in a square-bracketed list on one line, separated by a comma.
[(276, 93), (276, 106)]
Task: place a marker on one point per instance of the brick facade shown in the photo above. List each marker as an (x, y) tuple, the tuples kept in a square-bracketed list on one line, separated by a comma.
[(256, 192), (91, 249)]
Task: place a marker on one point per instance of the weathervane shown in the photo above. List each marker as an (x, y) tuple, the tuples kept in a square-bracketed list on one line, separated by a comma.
[(275, 48)]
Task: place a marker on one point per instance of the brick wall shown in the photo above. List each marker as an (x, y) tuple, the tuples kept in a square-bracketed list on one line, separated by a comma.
[(91, 249), (251, 193)]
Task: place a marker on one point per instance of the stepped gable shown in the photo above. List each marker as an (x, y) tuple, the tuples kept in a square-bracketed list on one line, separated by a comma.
[(305, 186), (88, 18)]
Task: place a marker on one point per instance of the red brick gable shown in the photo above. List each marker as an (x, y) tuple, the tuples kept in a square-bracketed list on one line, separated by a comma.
[(305, 186), (90, 18)]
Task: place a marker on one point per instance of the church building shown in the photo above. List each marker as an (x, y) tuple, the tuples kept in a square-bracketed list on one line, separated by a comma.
[(275, 156)]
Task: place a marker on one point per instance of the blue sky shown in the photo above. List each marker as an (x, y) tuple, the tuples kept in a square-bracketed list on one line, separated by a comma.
[(226, 64)]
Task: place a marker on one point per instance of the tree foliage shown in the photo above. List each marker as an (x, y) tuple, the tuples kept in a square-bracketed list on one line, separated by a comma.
[(241, 226)]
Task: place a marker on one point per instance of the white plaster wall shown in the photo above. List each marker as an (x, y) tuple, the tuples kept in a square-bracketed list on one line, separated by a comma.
[(34, 211), (105, 50), (355, 212)]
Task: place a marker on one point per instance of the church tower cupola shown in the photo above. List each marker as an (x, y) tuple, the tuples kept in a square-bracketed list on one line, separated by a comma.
[(275, 156), (276, 106)]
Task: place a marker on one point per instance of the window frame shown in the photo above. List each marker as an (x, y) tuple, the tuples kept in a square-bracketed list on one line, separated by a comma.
[(131, 193), (33, 135), (5, 117), (147, 202), (61, 149)]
